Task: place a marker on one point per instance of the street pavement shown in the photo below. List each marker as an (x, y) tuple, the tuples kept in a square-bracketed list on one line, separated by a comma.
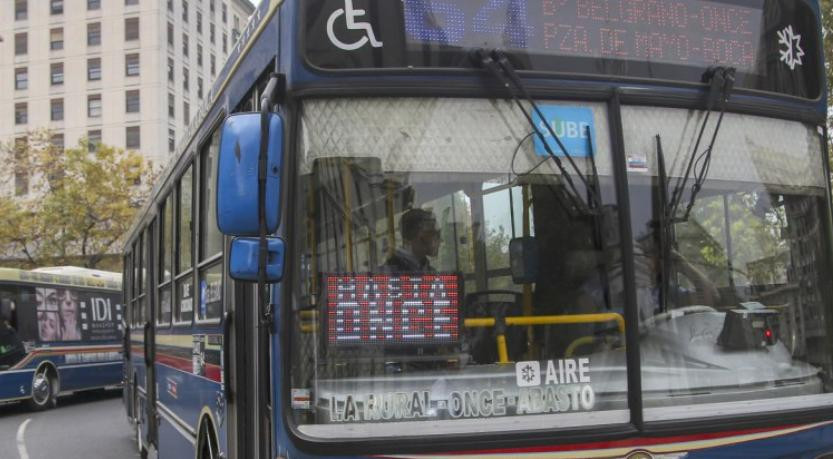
[(89, 425)]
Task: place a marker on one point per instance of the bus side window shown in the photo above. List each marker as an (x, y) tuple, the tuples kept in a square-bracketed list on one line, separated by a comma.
[(210, 293), (183, 293), (163, 312), (8, 306)]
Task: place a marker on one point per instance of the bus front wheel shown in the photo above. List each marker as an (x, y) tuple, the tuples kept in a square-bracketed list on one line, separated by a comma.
[(44, 386), (208, 448)]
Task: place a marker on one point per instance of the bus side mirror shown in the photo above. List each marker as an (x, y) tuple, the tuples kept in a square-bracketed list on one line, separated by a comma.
[(237, 186), (243, 260), (523, 259)]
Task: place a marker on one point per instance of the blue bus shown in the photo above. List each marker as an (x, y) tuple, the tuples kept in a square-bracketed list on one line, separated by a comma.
[(60, 332), (553, 228)]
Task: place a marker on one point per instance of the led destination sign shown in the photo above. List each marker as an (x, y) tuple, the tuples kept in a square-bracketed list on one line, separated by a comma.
[(392, 309), (699, 32), (772, 44)]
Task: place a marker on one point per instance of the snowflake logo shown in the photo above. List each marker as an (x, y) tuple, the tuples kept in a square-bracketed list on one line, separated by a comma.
[(790, 47), (528, 373)]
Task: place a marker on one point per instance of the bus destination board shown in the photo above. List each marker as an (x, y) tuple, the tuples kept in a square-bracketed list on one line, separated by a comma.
[(698, 32), (403, 309)]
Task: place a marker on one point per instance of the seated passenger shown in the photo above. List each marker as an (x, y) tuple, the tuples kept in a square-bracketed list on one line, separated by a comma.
[(420, 240)]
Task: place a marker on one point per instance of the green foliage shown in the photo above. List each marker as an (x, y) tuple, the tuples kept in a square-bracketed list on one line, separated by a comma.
[(827, 32), (79, 205)]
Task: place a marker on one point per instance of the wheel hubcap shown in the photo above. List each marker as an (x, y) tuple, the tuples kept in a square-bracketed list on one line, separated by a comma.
[(40, 389)]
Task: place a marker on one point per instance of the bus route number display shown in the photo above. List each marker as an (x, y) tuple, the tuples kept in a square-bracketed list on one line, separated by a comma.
[(400, 309)]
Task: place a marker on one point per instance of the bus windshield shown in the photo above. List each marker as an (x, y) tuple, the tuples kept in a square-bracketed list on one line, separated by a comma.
[(449, 271)]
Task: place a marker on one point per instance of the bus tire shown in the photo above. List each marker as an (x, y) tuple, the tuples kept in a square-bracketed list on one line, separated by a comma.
[(44, 389), (207, 446)]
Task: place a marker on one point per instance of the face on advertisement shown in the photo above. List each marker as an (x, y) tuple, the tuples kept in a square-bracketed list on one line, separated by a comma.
[(47, 299), (68, 302), (48, 326)]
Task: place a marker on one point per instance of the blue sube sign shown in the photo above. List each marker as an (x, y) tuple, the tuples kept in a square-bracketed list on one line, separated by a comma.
[(570, 124)]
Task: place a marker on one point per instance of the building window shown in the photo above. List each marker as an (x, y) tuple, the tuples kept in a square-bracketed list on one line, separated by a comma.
[(131, 64), (225, 12), (170, 34), (211, 6), (170, 70), (132, 103), (21, 113), (131, 29), (171, 5), (185, 79), (186, 112), (94, 106), (131, 2), (199, 22), (133, 138), (56, 39), (171, 108), (94, 69), (184, 11), (56, 107), (57, 141), (56, 73), (21, 43), (212, 61), (21, 78), (93, 140), (21, 166), (225, 43), (185, 45), (21, 10), (56, 7), (93, 5), (199, 87), (199, 55), (171, 141), (94, 34)]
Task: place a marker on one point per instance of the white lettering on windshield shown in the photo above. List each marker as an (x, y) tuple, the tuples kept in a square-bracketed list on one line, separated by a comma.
[(472, 403)]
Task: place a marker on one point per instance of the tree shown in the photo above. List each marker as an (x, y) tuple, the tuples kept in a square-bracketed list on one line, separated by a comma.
[(79, 203), (827, 33)]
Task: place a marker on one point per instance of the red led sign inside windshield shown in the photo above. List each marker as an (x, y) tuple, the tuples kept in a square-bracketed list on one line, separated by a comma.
[(418, 309)]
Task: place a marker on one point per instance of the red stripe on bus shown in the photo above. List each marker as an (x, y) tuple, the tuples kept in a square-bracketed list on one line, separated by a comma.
[(631, 442), (212, 372)]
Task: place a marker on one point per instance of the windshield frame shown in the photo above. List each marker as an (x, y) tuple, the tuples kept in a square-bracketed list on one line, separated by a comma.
[(715, 422)]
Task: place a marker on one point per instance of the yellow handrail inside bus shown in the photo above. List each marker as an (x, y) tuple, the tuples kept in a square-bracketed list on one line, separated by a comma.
[(503, 353), (577, 343), (473, 322)]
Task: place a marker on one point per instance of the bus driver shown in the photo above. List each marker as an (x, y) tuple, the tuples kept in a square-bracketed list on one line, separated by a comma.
[(420, 240)]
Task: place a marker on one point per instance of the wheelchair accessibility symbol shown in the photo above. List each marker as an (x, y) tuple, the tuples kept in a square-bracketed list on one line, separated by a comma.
[(350, 15)]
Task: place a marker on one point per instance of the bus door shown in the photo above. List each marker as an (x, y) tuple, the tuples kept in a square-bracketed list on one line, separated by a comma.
[(126, 323), (149, 335), (239, 369)]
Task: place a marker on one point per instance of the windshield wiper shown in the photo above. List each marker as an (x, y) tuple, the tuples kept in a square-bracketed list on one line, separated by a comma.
[(663, 226), (499, 66), (721, 80)]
